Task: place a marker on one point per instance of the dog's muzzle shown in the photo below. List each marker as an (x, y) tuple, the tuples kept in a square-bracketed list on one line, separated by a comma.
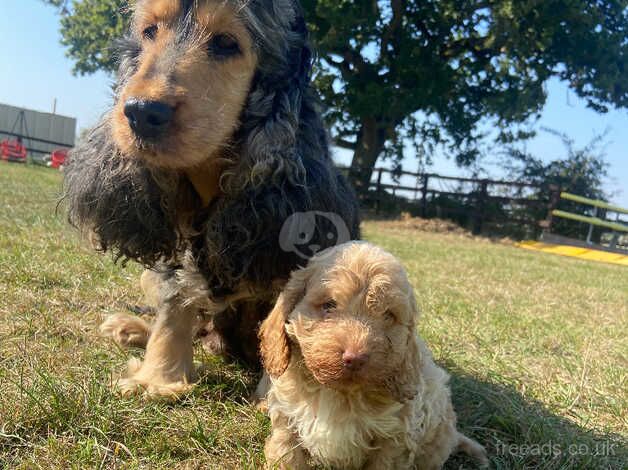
[(148, 119)]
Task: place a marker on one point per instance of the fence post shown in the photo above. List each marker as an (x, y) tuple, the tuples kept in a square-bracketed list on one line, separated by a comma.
[(554, 199), (590, 232), (395, 202), (479, 207), (424, 196), (378, 190)]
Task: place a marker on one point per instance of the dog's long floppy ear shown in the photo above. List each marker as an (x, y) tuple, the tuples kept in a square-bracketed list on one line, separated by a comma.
[(119, 202), (272, 117), (274, 343), (406, 382)]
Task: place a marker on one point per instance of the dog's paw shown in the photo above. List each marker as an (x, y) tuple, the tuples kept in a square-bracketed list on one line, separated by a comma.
[(135, 383), (126, 330), (130, 386)]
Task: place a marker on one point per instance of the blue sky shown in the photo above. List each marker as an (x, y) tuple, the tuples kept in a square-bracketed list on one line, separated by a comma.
[(35, 71)]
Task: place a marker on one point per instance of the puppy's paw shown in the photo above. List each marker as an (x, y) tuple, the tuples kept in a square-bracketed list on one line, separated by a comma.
[(126, 330), (261, 405), (152, 388), (258, 397)]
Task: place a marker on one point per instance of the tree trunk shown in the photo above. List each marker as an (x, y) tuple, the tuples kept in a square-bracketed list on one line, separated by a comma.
[(369, 144)]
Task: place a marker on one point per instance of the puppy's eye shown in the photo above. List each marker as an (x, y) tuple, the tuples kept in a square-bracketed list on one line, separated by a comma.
[(150, 33), (329, 306), (388, 315), (223, 46)]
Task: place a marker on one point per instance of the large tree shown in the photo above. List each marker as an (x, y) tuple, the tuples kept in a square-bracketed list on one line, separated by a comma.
[(430, 72)]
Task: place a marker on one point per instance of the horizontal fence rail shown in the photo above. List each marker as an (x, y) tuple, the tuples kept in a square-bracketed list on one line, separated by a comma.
[(619, 227), (591, 220), (594, 203), (482, 204)]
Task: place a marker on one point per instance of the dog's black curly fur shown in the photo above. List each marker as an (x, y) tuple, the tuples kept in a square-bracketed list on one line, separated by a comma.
[(281, 165)]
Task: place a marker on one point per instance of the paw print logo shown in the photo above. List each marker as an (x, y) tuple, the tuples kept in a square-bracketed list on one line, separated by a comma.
[(307, 233)]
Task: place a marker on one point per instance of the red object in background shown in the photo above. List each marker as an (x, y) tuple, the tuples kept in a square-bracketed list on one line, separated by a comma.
[(12, 150), (58, 158)]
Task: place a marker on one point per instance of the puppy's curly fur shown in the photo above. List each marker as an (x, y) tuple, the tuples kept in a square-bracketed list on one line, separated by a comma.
[(205, 203), (353, 385)]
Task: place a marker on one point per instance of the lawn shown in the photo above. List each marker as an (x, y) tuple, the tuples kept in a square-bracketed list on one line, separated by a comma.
[(536, 345)]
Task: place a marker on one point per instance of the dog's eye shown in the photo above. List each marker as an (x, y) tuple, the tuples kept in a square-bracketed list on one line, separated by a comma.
[(150, 32), (388, 315), (223, 46), (329, 306)]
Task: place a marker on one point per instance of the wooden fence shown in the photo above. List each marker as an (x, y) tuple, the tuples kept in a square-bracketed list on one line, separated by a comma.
[(483, 205)]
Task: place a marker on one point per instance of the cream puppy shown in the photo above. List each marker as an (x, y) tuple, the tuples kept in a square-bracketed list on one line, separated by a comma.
[(352, 384)]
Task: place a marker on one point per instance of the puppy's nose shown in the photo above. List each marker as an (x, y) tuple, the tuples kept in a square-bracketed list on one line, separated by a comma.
[(148, 119), (354, 361)]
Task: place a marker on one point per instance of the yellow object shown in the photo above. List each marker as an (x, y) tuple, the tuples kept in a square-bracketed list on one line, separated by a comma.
[(576, 252), (591, 220), (593, 202)]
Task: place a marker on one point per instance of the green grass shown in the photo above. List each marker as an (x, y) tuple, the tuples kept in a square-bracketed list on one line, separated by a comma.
[(536, 345)]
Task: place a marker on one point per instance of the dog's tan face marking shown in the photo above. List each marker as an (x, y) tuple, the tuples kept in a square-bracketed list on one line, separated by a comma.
[(155, 11), (359, 309), (204, 77)]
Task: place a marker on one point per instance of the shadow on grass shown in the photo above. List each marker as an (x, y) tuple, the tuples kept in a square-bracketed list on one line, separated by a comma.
[(520, 433), (221, 379)]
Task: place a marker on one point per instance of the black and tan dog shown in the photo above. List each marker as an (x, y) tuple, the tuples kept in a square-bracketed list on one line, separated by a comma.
[(212, 154)]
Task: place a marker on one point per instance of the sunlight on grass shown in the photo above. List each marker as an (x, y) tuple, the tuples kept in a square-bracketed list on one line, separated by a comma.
[(536, 345)]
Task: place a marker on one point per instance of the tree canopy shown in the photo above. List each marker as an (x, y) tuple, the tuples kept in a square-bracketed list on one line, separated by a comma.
[(89, 29), (430, 72)]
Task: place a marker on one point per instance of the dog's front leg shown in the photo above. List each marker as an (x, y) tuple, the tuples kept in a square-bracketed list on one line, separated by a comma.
[(388, 455), (168, 368), (283, 450)]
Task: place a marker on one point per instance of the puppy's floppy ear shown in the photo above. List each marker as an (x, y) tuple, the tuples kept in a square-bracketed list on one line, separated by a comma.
[(274, 344), (405, 384)]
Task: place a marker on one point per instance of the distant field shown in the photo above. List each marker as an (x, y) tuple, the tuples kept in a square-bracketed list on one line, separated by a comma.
[(536, 344)]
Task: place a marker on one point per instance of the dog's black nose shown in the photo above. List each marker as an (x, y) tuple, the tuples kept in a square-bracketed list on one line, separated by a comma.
[(148, 119)]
